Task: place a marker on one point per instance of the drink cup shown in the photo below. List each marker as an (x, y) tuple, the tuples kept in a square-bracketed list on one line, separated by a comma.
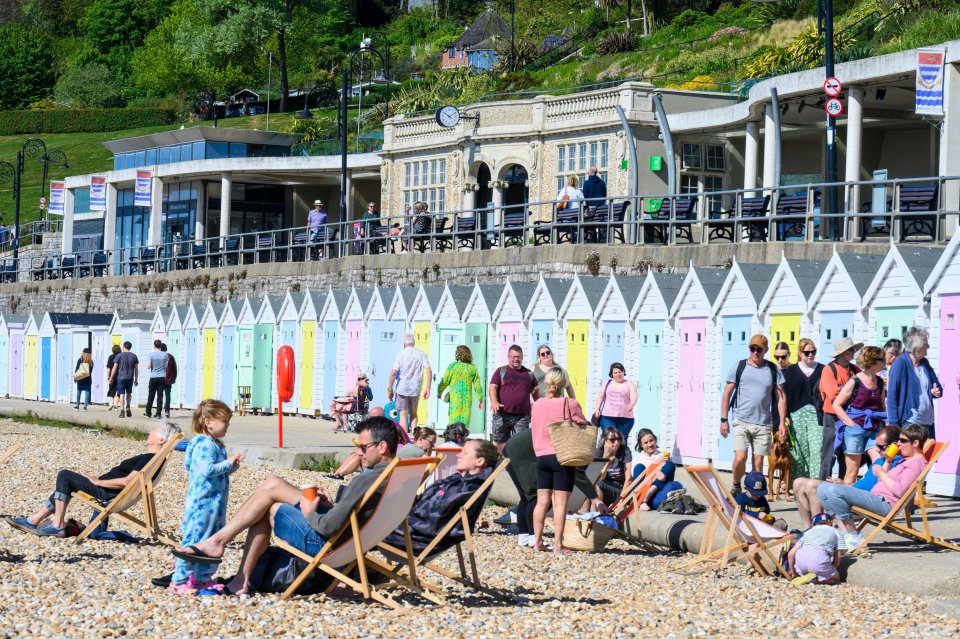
[(309, 492), (892, 451)]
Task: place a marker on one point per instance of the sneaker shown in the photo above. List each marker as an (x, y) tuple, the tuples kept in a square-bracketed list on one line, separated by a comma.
[(129, 413), (507, 518), (122, 414), (804, 579), (148, 415), (853, 541), (84, 409), (76, 408), (736, 490), (167, 416), (21, 523), (50, 531)]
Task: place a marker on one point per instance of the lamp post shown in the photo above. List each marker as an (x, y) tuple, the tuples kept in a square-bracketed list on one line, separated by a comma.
[(53, 156), (14, 173)]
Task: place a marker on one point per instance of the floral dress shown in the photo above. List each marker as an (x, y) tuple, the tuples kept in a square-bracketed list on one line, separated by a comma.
[(206, 509), (463, 380)]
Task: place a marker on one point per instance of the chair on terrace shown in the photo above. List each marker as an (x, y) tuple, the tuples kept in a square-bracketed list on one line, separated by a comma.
[(792, 211), (465, 232), (919, 198), (46, 270), (68, 266), (145, 262), (597, 227)]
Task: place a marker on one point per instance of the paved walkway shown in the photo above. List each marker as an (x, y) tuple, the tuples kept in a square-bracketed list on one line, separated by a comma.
[(253, 435)]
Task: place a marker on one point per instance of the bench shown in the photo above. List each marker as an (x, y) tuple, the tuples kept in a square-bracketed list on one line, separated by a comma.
[(97, 266), (596, 227), (465, 232), (8, 271), (145, 262), (914, 198), (46, 270), (68, 266), (512, 231), (443, 238), (794, 209)]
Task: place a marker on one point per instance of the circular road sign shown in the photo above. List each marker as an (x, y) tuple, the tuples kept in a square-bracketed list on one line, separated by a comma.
[(832, 87), (833, 107)]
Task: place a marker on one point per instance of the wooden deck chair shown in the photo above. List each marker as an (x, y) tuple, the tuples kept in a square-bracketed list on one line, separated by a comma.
[(140, 489), (595, 471), (409, 560), (398, 484), (10, 452), (932, 451), (742, 530), (636, 491), (446, 467)]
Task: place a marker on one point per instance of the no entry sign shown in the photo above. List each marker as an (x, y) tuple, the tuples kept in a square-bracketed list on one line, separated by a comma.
[(832, 87), (833, 107)]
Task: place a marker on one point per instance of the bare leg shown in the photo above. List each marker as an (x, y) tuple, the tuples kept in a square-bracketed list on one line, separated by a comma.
[(739, 465), (805, 492), (758, 463), (258, 539), (560, 499), (351, 465), (853, 465), (40, 515), (59, 513), (272, 491), (540, 515)]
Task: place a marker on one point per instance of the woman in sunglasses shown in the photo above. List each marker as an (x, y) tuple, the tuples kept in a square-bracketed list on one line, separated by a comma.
[(544, 364), (892, 483), (616, 400), (613, 446), (801, 385)]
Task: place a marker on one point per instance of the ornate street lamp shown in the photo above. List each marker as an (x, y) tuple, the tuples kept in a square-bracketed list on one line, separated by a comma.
[(57, 157)]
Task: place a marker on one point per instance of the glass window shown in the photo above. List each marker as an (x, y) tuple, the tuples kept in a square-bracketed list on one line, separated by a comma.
[(561, 157), (186, 152), (117, 162), (216, 150), (198, 150), (583, 157), (129, 160), (238, 150), (416, 174), (406, 175), (604, 154), (151, 156), (713, 183), (443, 171), (174, 154), (140, 159), (433, 171), (572, 157), (593, 154), (81, 200), (165, 155), (715, 158), (689, 184), (441, 200), (691, 156)]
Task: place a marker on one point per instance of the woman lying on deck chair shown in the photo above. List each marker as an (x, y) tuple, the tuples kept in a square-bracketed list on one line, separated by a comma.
[(105, 487)]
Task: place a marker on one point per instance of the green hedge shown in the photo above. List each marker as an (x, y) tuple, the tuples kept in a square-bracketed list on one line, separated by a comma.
[(82, 120)]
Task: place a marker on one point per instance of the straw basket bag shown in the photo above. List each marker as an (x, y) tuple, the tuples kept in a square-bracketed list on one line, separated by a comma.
[(586, 536), (575, 443)]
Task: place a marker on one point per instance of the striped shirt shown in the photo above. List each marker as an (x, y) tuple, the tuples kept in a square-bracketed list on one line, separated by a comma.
[(824, 537)]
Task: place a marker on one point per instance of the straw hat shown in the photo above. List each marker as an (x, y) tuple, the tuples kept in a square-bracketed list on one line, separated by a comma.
[(845, 344)]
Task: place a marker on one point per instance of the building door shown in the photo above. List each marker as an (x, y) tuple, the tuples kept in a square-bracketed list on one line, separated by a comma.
[(892, 323), (578, 340), (190, 385), (384, 336), (288, 337), (476, 340), (449, 336), (508, 335), (649, 377), (209, 363), (690, 387), (613, 344), (46, 368), (30, 368), (948, 413), (228, 369), (4, 363), (422, 336), (517, 194), (834, 325), (784, 327), (245, 357), (331, 334), (736, 337), (262, 390), (541, 332), (16, 364), (307, 332), (354, 327)]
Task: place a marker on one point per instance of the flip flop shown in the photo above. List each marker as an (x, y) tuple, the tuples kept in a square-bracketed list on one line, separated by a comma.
[(216, 590), (197, 556)]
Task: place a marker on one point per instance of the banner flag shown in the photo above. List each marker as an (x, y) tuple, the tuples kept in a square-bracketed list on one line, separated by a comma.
[(98, 193), (141, 193), (930, 81), (57, 197)]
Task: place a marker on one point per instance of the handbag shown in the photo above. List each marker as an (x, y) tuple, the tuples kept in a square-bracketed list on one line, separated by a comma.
[(563, 203), (575, 443), (82, 373), (446, 394), (595, 418)]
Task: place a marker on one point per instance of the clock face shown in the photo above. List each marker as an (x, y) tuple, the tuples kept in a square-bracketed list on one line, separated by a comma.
[(448, 116)]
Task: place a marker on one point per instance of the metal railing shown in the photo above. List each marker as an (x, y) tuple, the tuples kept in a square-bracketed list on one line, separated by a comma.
[(914, 209)]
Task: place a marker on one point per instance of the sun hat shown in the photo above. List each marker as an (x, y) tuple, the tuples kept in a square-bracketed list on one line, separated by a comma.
[(320, 202), (844, 344)]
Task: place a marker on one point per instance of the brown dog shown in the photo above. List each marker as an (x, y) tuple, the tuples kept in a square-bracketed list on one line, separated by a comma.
[(779, 468)]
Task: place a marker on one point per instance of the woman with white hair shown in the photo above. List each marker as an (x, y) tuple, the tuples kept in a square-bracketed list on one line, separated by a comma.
[(912, 384)]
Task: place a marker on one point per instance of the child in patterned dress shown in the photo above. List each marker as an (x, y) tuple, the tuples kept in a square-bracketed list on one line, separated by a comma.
[(209, 470)]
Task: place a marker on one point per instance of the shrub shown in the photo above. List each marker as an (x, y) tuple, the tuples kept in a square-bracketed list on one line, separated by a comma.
[(82, 120), (616, 42), (90, 86)]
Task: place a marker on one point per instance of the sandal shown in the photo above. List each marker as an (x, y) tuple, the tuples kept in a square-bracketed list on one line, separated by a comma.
[(182, 590), (197, 556), (562, 551)]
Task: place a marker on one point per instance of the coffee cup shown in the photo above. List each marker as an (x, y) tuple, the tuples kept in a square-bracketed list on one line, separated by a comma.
[(309, 492), (892, 451)]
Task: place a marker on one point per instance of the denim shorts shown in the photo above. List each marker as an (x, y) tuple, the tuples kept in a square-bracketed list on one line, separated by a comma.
[(857, 441), (124, 386), (290, 525)]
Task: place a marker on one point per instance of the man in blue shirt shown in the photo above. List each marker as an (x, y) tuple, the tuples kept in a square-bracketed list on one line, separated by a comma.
[(157, 365), (594, 189), (316, 219)]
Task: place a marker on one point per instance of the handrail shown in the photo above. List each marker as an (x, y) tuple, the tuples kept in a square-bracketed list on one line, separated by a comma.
[(913, 207)]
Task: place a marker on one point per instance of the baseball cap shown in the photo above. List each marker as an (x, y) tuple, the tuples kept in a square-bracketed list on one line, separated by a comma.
[(822, 518), (755, 484), (760, 340)]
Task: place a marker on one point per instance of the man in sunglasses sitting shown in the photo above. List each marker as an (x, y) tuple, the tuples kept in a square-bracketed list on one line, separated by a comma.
[(280, 507), (753, 385)]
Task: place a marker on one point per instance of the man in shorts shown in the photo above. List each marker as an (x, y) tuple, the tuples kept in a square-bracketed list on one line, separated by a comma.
[(510, 390), (752, 386), (408, 371), (126, 374)]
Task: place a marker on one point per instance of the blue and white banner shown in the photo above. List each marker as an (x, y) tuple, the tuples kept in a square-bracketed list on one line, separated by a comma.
[(98, 193), (57, 197), (930, 81), (141, 192)]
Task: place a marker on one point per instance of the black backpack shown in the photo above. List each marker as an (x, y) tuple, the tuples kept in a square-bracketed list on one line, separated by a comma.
[(818, 396), (277, 569), (736, 384)]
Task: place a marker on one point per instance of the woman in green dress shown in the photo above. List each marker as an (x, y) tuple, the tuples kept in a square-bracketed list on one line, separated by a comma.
[(463, 380), (802, 383)]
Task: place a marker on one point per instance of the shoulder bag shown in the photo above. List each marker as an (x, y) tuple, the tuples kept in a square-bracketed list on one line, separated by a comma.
[(575, 443), (82, 373)]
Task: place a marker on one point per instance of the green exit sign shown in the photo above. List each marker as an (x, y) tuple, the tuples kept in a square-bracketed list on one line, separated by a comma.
[(656, 162)]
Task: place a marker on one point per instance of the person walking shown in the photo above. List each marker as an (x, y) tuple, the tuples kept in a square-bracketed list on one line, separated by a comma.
[(754, 385), (832, 378), (169, 380), (463, 381), (157, 365), (860, 408), (112, 395), (510, 389), (892, 349), (913, 384), (615, 402), (544, 363), (411, 368), (126, 374), (83, 376), (594, 189), (801, 383)]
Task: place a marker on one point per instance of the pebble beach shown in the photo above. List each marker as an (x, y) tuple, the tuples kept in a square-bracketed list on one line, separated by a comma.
[(56, 588)]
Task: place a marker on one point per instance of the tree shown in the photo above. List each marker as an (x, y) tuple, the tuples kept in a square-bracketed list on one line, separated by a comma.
[(26, 73), (90, 86)]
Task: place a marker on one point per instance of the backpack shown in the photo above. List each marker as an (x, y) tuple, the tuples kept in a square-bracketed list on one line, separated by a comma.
[(818, 396), (736, 387), (277, 569), (171, 377), (857, 383)]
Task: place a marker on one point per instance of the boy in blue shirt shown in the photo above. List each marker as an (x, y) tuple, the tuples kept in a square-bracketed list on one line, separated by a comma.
[(753, 499)]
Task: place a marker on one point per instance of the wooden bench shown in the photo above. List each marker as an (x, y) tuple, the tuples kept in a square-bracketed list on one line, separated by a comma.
[(915, 198), (145, 262), (512, 231), (465, 232), (595, 227), (794, 209)]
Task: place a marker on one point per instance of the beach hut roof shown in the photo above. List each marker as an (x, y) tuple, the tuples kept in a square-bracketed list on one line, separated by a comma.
[(861, 268), (364, 296), (711, 279), (460, 295), (523, 292), (134, 316), (80, 319), (557, 289), (16, 319), (921, 262), (669, 285), (757, 278), (807, 273)]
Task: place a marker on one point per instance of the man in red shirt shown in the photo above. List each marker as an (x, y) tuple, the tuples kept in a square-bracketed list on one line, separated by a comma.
[(832, 379), (510, 390)]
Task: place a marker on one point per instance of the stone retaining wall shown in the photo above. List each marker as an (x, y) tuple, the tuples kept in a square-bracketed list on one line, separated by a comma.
[(146, 292)]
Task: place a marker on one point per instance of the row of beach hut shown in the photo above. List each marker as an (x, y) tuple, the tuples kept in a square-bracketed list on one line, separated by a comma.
[(676, 334)]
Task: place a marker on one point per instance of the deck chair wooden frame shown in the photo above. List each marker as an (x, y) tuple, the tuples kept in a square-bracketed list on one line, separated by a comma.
[(742, 530), (140, 489), (636, 491), (415, 562), (932, 451), (10, 452), (399, 482)]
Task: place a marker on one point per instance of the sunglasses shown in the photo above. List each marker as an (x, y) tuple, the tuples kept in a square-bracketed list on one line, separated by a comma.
[(544, 354), (786, 356), (614, 439), (757, 349), (808, 353), (364, 447), (903, 440)]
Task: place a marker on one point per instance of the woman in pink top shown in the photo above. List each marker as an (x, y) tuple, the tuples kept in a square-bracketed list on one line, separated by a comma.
[(616, 400), (891, 485), (554, 482)]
